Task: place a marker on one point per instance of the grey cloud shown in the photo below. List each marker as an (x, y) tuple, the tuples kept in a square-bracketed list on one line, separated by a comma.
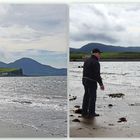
[(95, 37), (99, 24), (119, 28), (45, 17)]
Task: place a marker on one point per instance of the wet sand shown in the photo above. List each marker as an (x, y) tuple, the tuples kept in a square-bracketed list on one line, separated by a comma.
[(111, 110), (118, 105), (10, 130), (33, 107)]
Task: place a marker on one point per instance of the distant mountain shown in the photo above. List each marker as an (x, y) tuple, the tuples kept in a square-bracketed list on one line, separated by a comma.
[(2, 64), (31, 67), (105, 48)]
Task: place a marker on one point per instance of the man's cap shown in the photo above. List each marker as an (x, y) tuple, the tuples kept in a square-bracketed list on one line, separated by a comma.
[(96, 51)]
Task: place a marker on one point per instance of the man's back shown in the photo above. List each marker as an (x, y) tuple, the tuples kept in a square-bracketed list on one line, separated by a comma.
[(91, 69)]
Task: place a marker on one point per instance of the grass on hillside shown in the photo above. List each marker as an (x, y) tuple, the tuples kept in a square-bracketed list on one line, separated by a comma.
[(121, 55), (7, 69), (106, 55)]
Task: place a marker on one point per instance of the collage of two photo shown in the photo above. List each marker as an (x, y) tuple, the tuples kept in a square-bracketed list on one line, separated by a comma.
[(69, 70)]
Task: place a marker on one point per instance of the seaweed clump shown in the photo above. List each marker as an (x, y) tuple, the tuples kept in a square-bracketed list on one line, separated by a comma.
[(116, 95)]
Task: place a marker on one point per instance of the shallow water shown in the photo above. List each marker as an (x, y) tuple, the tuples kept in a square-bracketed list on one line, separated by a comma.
[(37, 102), (118, 77), (126, 73)]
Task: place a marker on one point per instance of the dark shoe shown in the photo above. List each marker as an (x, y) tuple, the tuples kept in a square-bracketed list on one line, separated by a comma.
[(96, 115)]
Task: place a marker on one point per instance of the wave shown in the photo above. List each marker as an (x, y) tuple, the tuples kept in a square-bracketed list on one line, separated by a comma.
[(104, 73), (121, 84), (109, 73), (23, 101), (58, 97), (49, 102)]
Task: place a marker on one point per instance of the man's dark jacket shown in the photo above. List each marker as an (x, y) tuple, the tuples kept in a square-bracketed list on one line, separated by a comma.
[(91, 71)]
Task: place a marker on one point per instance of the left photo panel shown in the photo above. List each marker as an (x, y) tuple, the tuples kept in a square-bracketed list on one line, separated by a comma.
[(33, 70)]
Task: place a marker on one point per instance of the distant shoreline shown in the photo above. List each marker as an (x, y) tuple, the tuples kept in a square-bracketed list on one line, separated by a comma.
[(36, 76), (108, 60)]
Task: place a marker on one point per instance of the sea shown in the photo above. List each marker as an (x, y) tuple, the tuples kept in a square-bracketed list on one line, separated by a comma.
[(118, 77), (36, 102)]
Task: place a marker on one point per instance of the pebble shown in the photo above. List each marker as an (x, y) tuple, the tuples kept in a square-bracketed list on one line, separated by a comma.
[(76, 120), (116, 95), (123, 119), (77, 106), (78, 111), (110, 105)]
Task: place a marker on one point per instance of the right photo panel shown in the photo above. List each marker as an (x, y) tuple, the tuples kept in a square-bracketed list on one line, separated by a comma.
[(104, 70)]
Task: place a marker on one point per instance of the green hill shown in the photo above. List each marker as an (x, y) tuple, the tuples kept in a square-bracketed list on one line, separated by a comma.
[(10, 72), (108, 56)]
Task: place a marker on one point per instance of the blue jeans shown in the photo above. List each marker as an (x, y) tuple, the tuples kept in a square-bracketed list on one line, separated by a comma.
[(89, 99)]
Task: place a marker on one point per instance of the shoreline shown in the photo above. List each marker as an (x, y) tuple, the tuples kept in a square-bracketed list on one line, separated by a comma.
[(108, 60), (118, 105), (37, 76)]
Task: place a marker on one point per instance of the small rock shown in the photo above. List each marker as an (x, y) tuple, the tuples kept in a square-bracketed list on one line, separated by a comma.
[(73, 98), (80, 66), (78, 111), (135, 104), (132, 104), (77, 106), (110, 105), (116, 95), (123, 119), (76, 120)]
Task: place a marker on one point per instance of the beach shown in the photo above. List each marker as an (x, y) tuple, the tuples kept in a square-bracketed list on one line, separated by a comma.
[(33, 106), (9, 130), (118, 105)]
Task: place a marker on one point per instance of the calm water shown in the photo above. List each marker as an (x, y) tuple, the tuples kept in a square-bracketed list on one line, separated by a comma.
[(37, 102)]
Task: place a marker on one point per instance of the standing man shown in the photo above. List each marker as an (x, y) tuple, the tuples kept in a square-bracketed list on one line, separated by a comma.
[(91, 75)]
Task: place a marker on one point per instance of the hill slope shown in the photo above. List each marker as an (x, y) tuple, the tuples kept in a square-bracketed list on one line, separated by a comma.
[(34, 68), (105, 48)]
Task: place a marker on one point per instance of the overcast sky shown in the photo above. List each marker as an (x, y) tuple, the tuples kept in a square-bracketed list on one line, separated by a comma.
[(113, 24), (36, 31)]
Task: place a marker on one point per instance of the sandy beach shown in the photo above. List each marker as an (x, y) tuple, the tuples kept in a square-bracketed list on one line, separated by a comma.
[(119, 115), (11, 130), (32, 107)]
